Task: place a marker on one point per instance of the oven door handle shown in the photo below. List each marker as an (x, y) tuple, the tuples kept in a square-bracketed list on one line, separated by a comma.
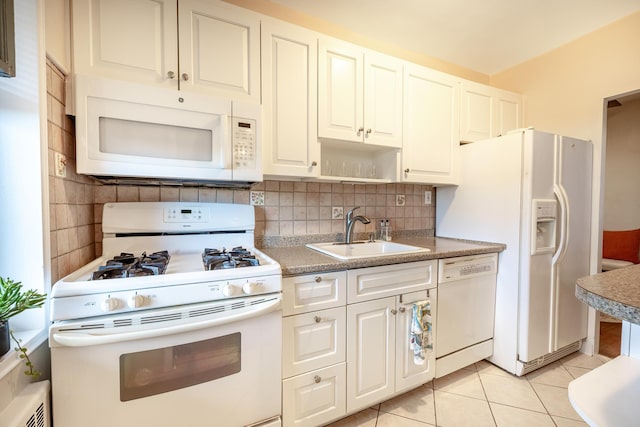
[(87, 338)]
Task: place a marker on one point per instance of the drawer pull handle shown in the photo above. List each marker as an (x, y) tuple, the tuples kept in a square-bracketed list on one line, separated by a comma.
[(317, 379), (318, 279), (318, 319), (402, 309), (394, 311)]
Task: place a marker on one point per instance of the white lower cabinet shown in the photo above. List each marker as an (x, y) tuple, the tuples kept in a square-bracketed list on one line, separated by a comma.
[(346, 339), (314, 398), (380, 360), (313, 348)]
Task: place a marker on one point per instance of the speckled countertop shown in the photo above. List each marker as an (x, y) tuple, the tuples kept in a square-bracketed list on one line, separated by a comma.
[(300, 259), (615, 292)]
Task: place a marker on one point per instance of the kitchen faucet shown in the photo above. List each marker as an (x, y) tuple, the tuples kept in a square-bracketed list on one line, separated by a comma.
[(350, 222)]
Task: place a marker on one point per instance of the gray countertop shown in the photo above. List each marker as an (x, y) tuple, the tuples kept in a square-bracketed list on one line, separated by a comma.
[(296, 260), (615, 292)]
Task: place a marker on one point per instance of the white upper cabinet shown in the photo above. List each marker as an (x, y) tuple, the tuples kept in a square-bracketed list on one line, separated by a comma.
[(289, 100), (487, 112), (430, 126), (359, 95), (139, 40)]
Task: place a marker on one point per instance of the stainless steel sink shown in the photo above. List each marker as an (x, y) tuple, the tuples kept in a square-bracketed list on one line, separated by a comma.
[(364, 249)]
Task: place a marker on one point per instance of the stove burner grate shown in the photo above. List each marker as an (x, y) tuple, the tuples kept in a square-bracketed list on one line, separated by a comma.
[(216, 259), (129, 265)]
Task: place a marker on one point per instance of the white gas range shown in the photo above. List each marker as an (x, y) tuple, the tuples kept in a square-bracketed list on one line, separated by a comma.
[(179, 283)]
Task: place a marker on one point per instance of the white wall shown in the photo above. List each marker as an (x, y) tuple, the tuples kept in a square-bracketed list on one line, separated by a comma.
[(622, 171)]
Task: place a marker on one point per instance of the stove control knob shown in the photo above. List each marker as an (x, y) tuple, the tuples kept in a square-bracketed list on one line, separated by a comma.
[(251, 288), (111, 304), (230, 290), (137, 301)]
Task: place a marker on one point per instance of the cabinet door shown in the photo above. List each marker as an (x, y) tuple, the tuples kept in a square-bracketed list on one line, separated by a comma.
[(382, 100), (488, 112), (314, 398), (370, 352), (430, 126), (313, 340), (311, 292), (508, 112), (289, 100), (219, 49), (133, 40), (477, 112), (340, 91), (412, 371)]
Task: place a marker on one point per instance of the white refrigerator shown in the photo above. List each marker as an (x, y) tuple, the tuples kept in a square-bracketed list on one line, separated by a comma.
[(532, 191)]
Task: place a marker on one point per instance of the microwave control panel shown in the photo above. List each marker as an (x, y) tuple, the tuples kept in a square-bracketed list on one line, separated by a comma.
[(244, 143)]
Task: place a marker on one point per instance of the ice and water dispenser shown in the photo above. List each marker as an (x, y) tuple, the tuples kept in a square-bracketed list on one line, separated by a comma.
[(543, 233)]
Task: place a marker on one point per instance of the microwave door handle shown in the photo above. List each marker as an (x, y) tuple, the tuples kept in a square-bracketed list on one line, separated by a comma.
[(227, 137), (84, 339)]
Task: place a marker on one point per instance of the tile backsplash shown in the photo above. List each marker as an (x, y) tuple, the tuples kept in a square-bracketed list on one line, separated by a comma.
[(283, 208)]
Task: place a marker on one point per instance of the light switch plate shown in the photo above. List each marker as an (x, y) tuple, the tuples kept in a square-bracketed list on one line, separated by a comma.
[(427, 197), (60, 164), (337, 212), (400, 200)]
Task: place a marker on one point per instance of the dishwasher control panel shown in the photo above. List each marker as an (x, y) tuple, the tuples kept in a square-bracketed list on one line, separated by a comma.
[(458, 268)]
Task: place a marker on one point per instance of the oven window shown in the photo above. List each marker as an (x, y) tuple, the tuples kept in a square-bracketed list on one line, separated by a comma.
[(151, 372)]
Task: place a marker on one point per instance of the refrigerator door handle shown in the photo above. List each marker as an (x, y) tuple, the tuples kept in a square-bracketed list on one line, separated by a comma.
[(563, 226)]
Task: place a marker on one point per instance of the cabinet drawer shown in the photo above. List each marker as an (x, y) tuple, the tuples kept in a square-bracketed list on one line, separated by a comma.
[(302, 294), (314, 398), (313, 340), (365, 284)]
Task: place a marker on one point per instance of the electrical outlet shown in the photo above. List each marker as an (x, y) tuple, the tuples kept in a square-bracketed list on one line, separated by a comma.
[(400, 200), (257, 198), (60, 164), (427, 197), (337, 212)]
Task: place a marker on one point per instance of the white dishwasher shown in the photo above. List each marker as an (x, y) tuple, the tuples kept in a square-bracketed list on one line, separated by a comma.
[(466, 311)]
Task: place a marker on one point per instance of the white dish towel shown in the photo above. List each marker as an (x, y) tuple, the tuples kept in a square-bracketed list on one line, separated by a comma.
[(420, 332)]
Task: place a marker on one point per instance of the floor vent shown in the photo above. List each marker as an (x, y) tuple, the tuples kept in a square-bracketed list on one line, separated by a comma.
[(30, 408), (525, 368)]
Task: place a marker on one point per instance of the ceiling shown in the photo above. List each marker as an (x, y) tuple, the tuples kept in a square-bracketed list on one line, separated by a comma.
[(487, 36)]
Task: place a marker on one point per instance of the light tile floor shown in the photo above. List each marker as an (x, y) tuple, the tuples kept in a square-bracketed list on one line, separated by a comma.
[(483, 395)]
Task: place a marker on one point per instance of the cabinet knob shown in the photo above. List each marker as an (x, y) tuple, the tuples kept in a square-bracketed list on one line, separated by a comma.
[(318, 279), (314, 163), (185, 76), (360, 130), (402, 309), (394, 311), (407, 170), (368, 132), (317, 379), (171, 74), (318, 319)]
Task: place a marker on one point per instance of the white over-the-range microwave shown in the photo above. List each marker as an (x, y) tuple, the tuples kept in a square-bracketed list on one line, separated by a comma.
[(128, 130)]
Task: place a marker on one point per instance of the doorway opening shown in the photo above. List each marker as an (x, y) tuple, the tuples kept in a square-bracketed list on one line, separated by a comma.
[(621, 207)]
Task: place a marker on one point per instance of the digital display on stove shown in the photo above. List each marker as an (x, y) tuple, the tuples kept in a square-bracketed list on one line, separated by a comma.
[(185, 211), (244, 125)]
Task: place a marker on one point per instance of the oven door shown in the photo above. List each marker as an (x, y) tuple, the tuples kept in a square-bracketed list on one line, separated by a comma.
[(219, 369)]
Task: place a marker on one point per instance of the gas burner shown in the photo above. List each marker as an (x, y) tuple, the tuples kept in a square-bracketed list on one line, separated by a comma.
[(129, 265), (216, 259)]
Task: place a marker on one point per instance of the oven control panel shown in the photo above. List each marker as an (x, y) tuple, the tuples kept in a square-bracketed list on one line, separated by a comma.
[(186, 214), (166, 296)]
